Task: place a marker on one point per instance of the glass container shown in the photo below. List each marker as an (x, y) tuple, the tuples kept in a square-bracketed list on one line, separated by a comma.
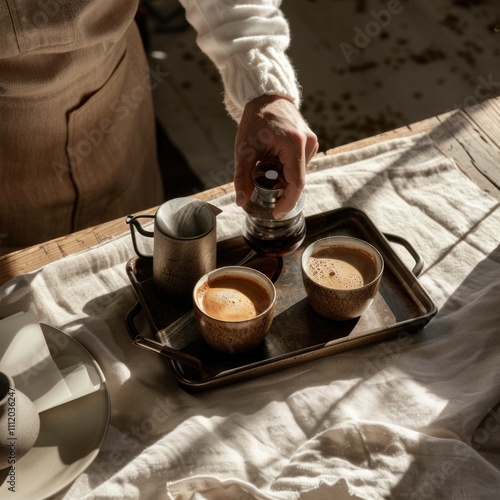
[(262, 231)]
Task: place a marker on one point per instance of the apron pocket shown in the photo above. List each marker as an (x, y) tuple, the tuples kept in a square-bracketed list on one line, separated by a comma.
[(43, 24)]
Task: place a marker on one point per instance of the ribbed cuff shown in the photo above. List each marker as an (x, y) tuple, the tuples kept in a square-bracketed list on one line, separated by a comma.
[(261, 71)]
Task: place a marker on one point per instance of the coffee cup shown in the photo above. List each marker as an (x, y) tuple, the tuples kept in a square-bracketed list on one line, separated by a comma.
[(341, 276), (234, 307)]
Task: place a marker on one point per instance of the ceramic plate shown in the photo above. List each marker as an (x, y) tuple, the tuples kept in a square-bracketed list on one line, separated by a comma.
[(70, 434)]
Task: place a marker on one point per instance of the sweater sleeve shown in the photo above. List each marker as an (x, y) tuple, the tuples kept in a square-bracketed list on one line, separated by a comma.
[(246, 40)]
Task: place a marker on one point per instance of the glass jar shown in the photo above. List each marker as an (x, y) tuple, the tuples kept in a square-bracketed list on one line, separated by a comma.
[(262, 232)]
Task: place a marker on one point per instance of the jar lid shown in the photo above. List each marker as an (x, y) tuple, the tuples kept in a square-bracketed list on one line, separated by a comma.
[(269, 186), (269, 182)]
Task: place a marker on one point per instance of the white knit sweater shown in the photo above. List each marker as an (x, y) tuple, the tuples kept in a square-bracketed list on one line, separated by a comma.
[(246, 40)]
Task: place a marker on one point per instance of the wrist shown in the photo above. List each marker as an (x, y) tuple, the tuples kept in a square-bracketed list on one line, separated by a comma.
[(259, 103)]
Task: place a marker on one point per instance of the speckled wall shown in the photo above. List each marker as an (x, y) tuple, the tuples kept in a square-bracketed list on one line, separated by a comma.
[(365, 66)]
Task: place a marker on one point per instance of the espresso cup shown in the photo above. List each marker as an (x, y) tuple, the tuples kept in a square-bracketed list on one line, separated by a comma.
[(234, 307), (341, 276)]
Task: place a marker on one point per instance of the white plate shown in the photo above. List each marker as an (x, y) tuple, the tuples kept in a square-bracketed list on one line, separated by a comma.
[(70, 436)]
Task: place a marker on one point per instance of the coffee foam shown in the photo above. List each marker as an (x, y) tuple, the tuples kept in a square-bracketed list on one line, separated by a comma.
[(341, 267), (233, 298)]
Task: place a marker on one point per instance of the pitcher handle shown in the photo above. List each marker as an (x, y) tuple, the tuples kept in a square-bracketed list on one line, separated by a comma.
[(132, 221)]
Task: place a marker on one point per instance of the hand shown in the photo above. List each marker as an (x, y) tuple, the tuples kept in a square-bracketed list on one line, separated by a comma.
[(270, 127)]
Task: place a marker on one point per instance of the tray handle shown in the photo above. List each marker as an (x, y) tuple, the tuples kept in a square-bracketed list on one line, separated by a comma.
[(419, 262), (155, 346), (129, 320)]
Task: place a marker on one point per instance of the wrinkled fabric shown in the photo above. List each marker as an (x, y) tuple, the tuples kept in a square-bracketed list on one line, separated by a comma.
[(413, 417)]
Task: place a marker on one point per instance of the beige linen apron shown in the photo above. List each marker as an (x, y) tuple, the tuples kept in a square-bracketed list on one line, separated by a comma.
[(77, 139)]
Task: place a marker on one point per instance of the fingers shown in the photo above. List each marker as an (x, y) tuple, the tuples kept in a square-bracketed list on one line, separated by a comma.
[(272, 126), (295, 159), (246, 155), (243, 184), (294, 171)]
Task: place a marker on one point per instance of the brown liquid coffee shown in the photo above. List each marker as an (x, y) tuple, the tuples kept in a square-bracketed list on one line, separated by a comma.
[(233, 298), (342, 267)]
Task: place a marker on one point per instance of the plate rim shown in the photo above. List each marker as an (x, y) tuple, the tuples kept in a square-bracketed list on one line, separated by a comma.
[(90, 458)]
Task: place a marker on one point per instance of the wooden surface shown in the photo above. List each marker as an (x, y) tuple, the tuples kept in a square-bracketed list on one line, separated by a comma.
[(471, 136)]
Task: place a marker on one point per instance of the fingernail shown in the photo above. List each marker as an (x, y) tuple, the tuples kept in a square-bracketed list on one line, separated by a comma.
[(240, 197)]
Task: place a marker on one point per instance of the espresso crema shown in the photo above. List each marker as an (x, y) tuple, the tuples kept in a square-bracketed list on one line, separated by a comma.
[(233, 298), (341, 267)]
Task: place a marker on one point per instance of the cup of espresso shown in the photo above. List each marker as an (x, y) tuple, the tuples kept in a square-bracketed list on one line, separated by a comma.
[(234, 307), (341, 275)]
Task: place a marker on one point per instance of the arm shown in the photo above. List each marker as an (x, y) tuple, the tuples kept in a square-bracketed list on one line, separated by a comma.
[(247, 42)]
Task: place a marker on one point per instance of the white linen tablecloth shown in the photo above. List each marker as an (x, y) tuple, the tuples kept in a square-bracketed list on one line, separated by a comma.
[(413, 418)]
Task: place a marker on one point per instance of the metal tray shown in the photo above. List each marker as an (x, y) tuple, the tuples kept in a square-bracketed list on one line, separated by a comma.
[(297, 334)]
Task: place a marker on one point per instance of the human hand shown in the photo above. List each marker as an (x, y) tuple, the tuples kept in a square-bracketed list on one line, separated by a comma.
[(270, 127)]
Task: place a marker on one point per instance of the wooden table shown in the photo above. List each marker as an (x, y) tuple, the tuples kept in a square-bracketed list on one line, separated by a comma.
[(469, 135)]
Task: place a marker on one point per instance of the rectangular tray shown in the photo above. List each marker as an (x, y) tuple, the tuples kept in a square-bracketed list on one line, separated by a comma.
[(297, 334)]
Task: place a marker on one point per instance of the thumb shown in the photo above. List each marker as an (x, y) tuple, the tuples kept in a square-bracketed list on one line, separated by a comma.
[(243, 184)]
